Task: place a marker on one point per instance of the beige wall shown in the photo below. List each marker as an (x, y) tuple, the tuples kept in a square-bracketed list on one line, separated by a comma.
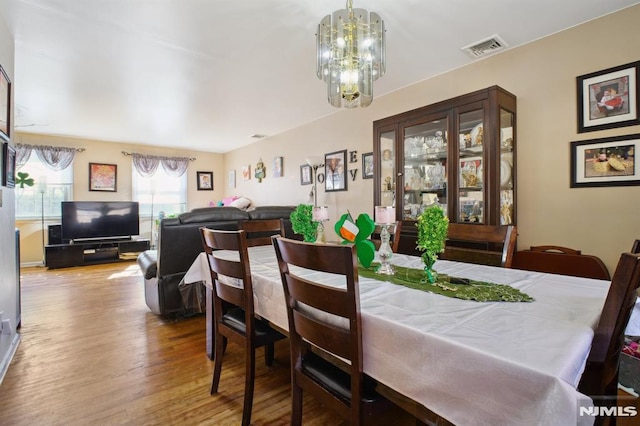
[(111, 153), (599, 221)]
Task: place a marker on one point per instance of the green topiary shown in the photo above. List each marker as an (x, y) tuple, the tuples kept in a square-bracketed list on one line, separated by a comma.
[(302, 222), (432, 226)]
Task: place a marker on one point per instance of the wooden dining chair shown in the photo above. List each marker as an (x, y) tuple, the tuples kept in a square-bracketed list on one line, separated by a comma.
[(394, 237), (259, 231), (635, 248), (329, 319), (233, 310), (560, 260), (600, 378), (480, 244)]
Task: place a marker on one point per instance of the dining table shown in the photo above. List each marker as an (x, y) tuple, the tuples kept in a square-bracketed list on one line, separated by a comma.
[(470, 362)]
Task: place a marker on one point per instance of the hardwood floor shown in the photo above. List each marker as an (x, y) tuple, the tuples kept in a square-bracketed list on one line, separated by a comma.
[(93, 354)]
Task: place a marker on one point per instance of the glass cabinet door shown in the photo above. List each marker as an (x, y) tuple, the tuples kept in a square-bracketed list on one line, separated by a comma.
[(506, 167), (425, 167), (471, 168), (387, 175)]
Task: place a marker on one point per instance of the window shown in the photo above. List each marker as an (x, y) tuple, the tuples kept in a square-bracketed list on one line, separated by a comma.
[(160, 193), (50, 188)]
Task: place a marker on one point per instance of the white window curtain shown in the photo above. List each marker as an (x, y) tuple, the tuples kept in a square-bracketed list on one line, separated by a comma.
[(55, 157), (51, 180), (159, 190), (146, 165)]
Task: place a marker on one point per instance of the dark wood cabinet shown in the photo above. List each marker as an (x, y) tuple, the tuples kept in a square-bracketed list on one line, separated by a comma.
[(459, 153), (88, 253)]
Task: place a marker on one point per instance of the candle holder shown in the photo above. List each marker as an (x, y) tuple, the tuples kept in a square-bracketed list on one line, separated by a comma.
[(385, 216), (320, 214)]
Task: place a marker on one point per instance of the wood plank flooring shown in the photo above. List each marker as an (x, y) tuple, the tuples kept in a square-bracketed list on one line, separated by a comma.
[(93, 354)]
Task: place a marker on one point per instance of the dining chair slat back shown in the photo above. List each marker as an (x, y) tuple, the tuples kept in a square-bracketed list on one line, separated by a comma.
[(233, 309), (260, 231), (560, 260), (600, 378), (481, 244), (328, 316)]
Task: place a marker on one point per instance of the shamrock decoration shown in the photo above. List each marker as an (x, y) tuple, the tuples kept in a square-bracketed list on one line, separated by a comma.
[(358, 233), (24, 179)]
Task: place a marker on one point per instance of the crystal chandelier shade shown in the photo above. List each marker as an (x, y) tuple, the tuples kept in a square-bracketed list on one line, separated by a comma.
[(351, 55)]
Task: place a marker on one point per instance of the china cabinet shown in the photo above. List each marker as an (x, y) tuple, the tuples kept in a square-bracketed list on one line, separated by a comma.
[(459, 153)]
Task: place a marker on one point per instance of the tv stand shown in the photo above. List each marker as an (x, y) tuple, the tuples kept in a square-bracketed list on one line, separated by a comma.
[(93, 252)]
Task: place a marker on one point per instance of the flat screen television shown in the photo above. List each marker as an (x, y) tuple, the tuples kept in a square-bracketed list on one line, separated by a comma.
[(90, 220)]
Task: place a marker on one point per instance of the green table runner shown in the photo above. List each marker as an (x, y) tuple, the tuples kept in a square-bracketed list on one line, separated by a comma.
[(479, 291)]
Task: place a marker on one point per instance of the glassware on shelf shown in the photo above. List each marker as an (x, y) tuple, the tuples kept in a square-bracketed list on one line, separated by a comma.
[(436, 175), (320, 214), (385, 216)]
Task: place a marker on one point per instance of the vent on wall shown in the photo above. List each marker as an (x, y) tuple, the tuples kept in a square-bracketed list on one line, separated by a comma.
[(485, 47)]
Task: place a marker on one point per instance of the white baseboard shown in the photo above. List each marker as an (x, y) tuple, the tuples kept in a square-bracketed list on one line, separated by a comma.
[(4, 365)]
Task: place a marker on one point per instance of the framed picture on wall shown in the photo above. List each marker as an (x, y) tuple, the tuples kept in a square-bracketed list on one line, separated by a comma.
[(605, 162), (205, 181), (246, 172), (335, 171), (5, 104), (277, 167), (8, 166), (232, 178), (609, 98), (103, 177), (306, 176), (367, 165)]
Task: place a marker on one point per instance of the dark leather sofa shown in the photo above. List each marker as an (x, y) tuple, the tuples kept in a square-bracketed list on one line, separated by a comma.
[(179, 244)]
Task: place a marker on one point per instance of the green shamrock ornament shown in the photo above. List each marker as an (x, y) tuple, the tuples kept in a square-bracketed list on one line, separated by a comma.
[(24, 179), (358, 233)]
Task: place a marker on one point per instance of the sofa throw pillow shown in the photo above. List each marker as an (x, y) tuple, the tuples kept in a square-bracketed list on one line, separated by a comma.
[(241, 203), (228, 200)]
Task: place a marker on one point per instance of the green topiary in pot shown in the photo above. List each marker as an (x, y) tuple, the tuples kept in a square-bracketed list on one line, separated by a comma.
[(432, 226), (302, 222)]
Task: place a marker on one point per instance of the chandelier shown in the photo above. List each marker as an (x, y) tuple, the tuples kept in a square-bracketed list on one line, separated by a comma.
[(351, 55)]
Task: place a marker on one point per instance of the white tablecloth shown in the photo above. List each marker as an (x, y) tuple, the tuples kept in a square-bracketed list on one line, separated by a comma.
[(472, 363)]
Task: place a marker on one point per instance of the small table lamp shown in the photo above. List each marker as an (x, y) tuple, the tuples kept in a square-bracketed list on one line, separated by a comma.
[(320, 214), (385, 216)]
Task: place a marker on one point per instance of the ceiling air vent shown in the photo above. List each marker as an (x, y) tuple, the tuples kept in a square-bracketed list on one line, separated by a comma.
[(485, 47)]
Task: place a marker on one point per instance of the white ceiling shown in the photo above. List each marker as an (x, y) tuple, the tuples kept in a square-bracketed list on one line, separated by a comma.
[(208, 74)]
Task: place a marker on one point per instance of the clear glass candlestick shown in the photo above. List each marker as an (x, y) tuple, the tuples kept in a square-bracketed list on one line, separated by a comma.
[(385, 216)]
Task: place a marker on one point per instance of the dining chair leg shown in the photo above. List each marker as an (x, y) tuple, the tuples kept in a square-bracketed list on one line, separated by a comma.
[(268, 354), (217, 363), (248, 384), (296, 406)]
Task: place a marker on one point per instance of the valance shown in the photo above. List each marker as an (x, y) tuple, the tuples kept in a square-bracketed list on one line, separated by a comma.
[(146, 165), (55, 157)]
